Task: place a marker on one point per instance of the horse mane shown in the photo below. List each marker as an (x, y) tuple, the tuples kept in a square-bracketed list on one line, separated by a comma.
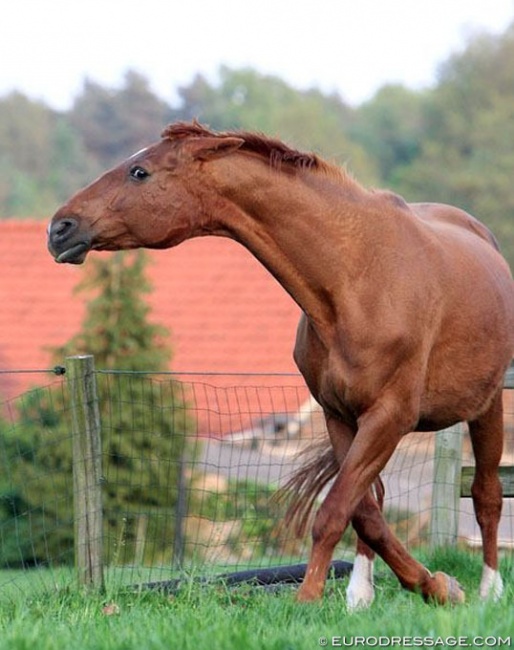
[(274, 150)]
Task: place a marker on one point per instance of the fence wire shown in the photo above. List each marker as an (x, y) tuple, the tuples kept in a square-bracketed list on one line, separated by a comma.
[(189, 468)]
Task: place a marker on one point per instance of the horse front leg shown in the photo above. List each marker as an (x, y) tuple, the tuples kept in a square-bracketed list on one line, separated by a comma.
[(487, 439)]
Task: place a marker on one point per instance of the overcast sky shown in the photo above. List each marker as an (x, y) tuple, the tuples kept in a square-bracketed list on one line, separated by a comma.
[(48, 47)]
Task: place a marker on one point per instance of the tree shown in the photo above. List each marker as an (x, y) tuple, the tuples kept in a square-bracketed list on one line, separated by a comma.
[(70, 165), (116, 327), (41, 158), (25, 135), (114, 123), (466, 157), (144, 427), (390, 127)]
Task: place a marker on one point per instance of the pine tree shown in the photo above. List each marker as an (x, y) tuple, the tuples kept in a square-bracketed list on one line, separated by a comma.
[(144, 422), (116, 327)]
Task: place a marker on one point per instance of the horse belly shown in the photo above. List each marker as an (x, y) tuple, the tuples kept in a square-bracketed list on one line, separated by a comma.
[(466, 370), (458, 396), (473, 341)]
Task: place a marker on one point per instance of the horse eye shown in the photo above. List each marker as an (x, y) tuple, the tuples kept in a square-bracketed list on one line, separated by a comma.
[(138, 173)]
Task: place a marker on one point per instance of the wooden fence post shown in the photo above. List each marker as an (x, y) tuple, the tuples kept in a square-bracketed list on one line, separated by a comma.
[(87, 470), (444, 521)]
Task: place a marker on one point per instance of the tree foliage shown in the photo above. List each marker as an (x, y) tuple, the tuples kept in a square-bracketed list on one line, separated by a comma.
[(115, 123), (466, 155), (117, 328), (390, 129)]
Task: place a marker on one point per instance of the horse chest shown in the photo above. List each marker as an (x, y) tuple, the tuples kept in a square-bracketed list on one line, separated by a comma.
[(328, 374)]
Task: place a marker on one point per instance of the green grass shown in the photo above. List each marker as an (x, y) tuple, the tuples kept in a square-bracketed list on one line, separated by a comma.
[(228, 618)]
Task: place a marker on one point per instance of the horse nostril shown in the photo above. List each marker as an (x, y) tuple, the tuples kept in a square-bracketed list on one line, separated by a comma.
[(63, 228)]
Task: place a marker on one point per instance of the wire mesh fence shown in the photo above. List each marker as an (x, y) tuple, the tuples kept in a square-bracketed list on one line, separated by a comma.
[(190, 464)]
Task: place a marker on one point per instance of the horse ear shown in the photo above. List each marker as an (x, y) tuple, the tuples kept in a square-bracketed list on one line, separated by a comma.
[(215, 147)]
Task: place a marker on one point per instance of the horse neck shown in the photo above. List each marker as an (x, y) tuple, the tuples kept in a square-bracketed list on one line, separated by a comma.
[(303, 227)]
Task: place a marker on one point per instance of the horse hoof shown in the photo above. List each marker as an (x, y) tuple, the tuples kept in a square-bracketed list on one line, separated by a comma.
[(447, 589), (307, 595), (491, 585), (359, 597)]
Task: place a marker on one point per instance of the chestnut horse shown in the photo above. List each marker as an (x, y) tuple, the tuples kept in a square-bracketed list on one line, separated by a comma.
[(407, 325)]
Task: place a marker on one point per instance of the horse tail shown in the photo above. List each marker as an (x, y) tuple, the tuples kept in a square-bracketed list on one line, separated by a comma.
[(306, 483)]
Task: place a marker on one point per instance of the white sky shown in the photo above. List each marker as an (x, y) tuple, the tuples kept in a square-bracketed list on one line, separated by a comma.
[(48, 47)]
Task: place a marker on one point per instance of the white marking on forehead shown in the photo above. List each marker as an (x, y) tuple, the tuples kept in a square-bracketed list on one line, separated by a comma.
[(139, 152)]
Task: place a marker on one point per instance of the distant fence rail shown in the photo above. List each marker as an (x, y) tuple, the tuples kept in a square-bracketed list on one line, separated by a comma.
[(137, 475)]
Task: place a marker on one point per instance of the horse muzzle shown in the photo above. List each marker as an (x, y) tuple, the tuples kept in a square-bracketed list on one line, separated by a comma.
[(66, 242)]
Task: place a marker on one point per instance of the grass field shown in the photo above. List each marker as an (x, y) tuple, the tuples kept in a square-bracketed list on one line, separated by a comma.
[(218, 617)]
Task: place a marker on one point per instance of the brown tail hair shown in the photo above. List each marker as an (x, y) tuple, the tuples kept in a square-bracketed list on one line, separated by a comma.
[(303, 488), (308, 481)]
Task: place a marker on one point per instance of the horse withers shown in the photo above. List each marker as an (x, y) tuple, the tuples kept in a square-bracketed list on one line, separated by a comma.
[(408, 317)]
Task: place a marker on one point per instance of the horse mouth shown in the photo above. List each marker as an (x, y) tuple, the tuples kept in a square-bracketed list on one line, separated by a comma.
[(76, 254)]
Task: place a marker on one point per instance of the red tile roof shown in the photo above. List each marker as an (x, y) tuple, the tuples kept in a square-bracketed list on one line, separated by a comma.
[(224, 310)]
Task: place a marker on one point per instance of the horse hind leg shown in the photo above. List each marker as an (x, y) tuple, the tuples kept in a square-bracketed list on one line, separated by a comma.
[(487, 440), (360, 592)]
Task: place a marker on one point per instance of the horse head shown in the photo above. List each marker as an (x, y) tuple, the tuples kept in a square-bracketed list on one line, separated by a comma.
[(152, 200)]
